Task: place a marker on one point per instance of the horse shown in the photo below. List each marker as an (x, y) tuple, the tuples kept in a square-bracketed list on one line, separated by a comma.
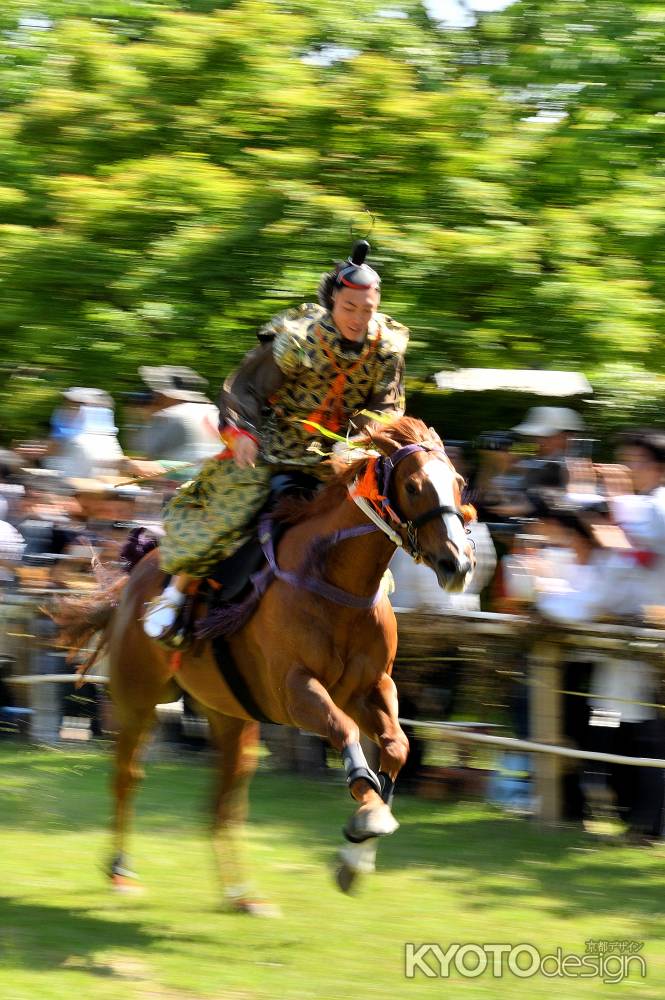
[(316, 653)]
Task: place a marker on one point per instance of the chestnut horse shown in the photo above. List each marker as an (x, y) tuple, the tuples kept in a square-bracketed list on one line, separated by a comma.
[(317, 652)]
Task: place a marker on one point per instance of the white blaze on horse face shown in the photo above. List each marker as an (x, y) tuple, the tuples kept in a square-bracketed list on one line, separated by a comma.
[(443, 477)]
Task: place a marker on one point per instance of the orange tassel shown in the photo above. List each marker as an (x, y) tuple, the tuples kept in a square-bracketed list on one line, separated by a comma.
[(330, 414), (367, 486), (469, 513)]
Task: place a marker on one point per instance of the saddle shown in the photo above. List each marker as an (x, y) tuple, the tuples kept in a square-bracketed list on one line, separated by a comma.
[(231, 581), (231, 577)]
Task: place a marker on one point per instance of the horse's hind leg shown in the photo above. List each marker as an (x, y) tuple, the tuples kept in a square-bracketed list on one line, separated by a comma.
[(236, 742), (134, 728)]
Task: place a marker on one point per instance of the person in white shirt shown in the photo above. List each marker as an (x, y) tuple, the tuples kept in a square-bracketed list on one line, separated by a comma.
[(603, 579), (84, 439), (12, 545), (182, 423), (641, 514)]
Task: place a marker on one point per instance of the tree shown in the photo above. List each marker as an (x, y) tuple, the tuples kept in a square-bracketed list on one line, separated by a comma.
[(171, 174)]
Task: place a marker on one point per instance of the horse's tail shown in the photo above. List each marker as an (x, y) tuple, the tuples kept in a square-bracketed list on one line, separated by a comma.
[(82, 617)]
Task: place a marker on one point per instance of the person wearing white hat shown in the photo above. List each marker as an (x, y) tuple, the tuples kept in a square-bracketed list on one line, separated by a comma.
[(182, 423), (552, 427)]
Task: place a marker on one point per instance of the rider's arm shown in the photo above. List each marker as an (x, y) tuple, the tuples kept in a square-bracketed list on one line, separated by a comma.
[(246, 392), (264, 370)]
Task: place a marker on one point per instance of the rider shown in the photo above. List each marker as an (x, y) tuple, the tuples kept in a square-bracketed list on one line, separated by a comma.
[(316, 366)]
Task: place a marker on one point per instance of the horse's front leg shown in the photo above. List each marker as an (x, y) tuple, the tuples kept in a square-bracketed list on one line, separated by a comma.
[(311, 708), (376, 713)]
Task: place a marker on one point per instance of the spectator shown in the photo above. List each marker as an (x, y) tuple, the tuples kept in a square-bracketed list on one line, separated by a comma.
[(600, 578), (552, 428), (181, 423), (498, 483), (84, 441), (641, 514), (12, 545)]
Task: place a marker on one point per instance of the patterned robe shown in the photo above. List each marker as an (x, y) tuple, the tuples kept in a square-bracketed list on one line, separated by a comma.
[(303, 369)]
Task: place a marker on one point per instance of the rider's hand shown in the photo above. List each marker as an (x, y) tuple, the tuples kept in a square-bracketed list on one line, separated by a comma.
[(142, 469), (245, 450)]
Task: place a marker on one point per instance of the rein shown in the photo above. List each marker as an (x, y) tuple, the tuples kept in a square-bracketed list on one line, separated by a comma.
[(311, 583), (385, 467)]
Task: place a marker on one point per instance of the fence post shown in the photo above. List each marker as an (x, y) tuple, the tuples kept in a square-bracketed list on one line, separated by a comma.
[(545, 727)]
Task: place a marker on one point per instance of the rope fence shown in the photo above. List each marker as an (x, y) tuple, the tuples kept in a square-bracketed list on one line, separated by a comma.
[(494, 644), (453, 732)]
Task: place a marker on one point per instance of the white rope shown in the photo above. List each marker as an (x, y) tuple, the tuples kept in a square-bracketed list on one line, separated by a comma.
[(452, 732), (58, 679)]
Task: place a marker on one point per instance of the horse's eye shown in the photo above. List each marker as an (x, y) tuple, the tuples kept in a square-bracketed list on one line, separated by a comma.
[(412, 489)]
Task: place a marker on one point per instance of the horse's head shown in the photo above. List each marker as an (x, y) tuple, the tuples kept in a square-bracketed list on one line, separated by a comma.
[(427, 491), (424, 503)]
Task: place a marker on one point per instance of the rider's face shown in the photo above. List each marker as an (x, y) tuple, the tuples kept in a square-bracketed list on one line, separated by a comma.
[(353, 309)]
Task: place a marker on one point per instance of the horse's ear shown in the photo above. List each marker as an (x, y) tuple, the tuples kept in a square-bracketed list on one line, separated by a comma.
[(434, 436)]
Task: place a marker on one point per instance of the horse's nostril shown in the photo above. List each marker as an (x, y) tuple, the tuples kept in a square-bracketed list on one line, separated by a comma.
[(447, 563), (453, 564)]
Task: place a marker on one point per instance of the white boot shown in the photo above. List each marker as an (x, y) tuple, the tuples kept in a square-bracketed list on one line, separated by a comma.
[(162, 612)]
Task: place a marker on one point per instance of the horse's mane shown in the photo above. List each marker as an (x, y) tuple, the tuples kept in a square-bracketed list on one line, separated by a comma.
[(384, 438)]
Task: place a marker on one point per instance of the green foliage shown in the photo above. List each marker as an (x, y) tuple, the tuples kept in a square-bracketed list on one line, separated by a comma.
[(172, 173)]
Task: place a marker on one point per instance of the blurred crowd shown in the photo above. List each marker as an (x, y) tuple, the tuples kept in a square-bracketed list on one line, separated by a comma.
[(575, 543), (557, 534), (68, 500)]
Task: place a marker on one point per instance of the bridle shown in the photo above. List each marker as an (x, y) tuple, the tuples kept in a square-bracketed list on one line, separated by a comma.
[(405, 532)]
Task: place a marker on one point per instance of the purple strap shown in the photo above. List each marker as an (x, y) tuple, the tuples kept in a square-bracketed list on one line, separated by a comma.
[(320, 587), (387, 463), (264, 577)]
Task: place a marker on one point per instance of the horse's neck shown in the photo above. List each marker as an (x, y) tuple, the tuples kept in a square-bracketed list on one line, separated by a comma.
[(355, 564)]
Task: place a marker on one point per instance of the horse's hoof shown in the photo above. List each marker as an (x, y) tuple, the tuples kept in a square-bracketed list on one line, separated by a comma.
[(370, 821), (354, 860), (256, 908), (122, 878), (130, 886), (345, 877)]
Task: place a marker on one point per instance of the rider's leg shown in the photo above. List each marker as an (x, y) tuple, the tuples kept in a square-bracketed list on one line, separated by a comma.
[(204, 523), (163, 611)]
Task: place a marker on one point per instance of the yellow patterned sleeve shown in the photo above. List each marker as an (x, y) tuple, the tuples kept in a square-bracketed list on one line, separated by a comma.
[(289, 331)]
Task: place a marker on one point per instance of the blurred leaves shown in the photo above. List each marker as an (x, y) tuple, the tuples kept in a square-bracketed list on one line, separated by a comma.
[(172, 173)]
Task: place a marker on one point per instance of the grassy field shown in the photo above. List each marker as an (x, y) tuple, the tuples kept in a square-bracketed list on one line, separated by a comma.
[(452, 873)]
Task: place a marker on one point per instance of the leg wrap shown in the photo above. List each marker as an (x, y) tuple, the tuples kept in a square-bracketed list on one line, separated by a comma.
[(387, 787), (356, 766)]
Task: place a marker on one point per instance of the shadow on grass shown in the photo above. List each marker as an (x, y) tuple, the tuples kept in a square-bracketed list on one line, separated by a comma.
[(492, 859), (41, 937), (503, 862)]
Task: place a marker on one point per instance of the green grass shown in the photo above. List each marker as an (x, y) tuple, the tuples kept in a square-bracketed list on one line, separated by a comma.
[(452, 872)]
